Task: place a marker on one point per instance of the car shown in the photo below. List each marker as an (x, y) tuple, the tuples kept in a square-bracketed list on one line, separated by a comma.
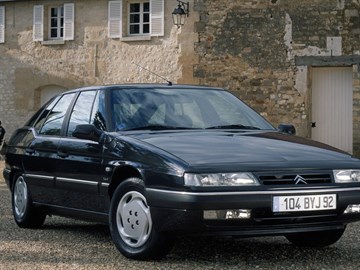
[(156, 161)]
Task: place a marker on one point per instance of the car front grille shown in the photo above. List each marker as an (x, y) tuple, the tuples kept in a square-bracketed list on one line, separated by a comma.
[(295, 179)]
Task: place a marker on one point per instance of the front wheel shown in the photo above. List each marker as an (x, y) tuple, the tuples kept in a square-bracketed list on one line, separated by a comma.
[(316, 239), (131, 224), (25, 214)]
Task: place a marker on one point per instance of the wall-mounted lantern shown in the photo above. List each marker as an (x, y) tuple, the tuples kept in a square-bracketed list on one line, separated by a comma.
[(180, 13)]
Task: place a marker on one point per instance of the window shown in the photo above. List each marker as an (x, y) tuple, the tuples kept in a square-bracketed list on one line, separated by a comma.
[(54, 121), (139, 18), (41, 115), (142, 18), (56, 23), (98, 113), (82, 111), (2, 24), (60, 23)]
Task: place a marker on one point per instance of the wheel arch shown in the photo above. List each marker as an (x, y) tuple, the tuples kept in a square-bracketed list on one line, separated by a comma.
[(121, 174), (14, 173)]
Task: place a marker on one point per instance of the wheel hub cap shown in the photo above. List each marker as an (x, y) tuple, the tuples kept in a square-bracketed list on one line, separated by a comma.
[(134, 219), (20, 197)]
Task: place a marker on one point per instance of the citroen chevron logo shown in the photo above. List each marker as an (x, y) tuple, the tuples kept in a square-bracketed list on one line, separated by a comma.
[(299, 180)]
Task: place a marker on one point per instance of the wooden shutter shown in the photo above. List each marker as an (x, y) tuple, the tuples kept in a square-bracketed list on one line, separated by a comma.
[(115, 19), (2, 24), (157, 17), (38, 23), (69, 10)]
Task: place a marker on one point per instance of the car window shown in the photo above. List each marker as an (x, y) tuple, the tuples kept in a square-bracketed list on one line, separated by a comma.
[(42, 112), (181, 108), (228, 112), (82, 111), (54, 121), (41, 116), (98, 118)]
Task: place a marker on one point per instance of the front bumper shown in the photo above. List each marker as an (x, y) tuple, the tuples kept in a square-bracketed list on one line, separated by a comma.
[(183, 212)]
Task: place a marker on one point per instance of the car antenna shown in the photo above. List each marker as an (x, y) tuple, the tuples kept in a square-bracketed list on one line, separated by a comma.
[(157, 75)]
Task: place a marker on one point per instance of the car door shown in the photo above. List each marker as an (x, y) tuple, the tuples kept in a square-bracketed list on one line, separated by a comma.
[(40, 157), (79, 166)]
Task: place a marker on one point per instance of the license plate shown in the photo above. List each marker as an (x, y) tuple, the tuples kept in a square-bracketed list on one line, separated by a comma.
[(304, 203)]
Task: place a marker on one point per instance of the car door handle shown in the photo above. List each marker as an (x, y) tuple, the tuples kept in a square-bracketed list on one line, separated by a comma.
[(30, 151), (62, 154)]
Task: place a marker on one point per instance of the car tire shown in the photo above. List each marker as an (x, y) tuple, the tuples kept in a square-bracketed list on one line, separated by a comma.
[(131, 224), (316, 239), (25, 214)]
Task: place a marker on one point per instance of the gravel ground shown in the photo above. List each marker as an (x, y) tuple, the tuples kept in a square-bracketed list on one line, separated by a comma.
[(69, 244)]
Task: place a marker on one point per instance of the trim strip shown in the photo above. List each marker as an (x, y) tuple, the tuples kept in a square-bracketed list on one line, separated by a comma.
[(39, 176), (200, 194), (69, 180)]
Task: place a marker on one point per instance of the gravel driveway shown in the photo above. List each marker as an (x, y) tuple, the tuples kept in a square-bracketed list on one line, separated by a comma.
[(69, 244)]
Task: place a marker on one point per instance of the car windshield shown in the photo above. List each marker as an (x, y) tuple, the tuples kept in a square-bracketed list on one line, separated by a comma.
[(163, 109)]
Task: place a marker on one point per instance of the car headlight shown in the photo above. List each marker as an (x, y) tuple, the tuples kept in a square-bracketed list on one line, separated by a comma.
[(346, 176), (221, 179)]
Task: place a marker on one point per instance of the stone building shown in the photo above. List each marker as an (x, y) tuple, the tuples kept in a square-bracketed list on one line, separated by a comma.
[(293, 61), (48, 46)]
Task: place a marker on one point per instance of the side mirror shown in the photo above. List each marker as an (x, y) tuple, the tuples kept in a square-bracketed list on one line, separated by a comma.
[(287, 128), (87, 132)]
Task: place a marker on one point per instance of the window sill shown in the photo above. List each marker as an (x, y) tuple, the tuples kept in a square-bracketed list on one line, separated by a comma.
[(136, 38), (53, 42)]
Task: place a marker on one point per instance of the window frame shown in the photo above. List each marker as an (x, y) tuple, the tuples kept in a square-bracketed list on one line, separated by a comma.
[(60, 26), (141, 13)]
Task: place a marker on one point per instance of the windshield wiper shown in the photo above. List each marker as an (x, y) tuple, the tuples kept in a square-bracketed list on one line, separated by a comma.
[(233, 127), (156, 127)]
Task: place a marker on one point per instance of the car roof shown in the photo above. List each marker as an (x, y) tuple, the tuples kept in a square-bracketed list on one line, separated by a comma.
[(144, 86)]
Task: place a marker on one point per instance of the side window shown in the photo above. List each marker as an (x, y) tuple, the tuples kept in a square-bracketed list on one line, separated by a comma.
[(98, 112), (41, 119), (82, 111), (54, 121)]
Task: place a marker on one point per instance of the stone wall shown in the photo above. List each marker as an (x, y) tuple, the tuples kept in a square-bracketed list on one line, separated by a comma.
[(92, 58), (250, 47), (8, 114)]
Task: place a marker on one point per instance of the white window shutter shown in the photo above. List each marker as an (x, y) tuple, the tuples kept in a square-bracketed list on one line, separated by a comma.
[(115, 19), (2, 24), (38, 23), (69, 22), (157, 17)]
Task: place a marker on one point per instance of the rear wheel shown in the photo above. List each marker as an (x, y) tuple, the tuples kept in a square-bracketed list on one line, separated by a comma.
[(316, 239), (131, 224), (25, 214)]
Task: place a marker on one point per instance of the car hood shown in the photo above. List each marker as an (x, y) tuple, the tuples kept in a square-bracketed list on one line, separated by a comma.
[(221, 147)]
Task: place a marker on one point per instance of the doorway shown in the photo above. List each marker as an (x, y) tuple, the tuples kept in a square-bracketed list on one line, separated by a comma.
[(332, 106)]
